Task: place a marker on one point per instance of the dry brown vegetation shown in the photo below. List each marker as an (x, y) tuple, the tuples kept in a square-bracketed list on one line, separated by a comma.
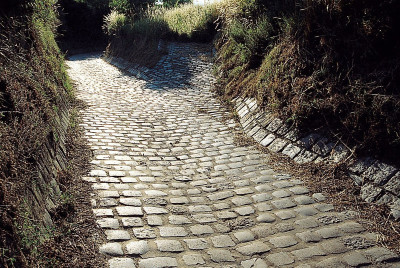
[(319, 64), (34, 90)]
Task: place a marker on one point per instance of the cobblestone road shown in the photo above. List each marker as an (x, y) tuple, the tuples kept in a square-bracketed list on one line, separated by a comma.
[(172, 188)]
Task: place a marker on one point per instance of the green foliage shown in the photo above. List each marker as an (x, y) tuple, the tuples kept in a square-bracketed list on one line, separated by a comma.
[(32, 234), (114, 22), (189, 20), (95, 4), (175, 3), (121, 6)]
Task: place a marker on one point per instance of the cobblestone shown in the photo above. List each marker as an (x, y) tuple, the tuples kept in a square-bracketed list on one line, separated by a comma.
[(244, 236), (172, 231), (137, 247), (201, 229), (117, 235), (266, 217), (196, 243), (309, 236), (121, 263), (283, 241), (280, 259), (113, 249), (144, 233), (172, 188), (193, 259), (132, 222), (158, 262), (356, 259), (221, 255), (169, 245), (222, 241), (254, 263), (256, 247), (306, 253), (129, 211)]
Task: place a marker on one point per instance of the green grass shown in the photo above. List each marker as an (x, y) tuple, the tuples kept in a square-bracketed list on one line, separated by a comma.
[(191, 21), (136, 39)]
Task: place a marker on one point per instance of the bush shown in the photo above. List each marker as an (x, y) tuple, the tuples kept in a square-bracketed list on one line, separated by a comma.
[(122, 6), (114, 22)]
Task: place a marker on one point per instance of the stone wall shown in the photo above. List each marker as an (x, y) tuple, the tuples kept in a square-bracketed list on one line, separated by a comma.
[(379, 182), (51, 159)]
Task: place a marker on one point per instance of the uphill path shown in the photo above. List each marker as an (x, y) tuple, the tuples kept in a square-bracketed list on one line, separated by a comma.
[(172, 188)]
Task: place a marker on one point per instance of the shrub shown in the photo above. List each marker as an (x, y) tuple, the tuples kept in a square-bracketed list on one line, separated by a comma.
[(114, 22), (122, 6)]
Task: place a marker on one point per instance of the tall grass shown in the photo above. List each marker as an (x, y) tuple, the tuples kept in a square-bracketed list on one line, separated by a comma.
[(136, 39), (192, 21), (114, 22)]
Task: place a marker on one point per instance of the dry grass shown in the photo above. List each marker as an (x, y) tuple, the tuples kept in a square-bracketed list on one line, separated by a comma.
[(75, 242), (333, 181), (34, 89), (137, 39), (300, 60)]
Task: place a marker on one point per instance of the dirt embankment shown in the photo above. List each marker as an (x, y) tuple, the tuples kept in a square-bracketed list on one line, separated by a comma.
[(42, 203), (331, 66)]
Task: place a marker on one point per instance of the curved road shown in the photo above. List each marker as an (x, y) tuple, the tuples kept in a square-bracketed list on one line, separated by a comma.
[(173, 189)]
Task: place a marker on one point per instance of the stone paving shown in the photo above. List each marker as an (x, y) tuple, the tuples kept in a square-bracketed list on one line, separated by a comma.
[(173, 189)]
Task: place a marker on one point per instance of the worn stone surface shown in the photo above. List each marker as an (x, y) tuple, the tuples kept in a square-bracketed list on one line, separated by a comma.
[(121, 263), (137, 247), (173, 188), (280, 259), (158, 262)]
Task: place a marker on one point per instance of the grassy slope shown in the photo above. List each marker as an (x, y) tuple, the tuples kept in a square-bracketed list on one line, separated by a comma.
[(318, 64), (33, 88)]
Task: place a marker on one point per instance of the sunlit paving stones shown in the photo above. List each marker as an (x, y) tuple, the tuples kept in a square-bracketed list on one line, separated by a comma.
[(173, 189)]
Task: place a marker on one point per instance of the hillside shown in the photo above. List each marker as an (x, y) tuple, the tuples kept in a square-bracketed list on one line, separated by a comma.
[(319, 65), (40, 146)]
